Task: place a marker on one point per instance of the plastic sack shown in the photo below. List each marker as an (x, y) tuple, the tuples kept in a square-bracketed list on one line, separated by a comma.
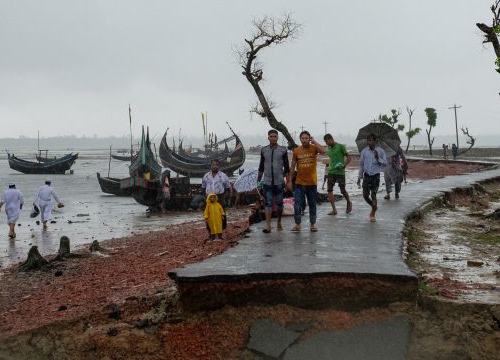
[(288, 207)]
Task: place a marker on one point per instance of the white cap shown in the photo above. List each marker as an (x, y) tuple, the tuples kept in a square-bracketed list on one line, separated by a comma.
[(11, 183), (48, 180)]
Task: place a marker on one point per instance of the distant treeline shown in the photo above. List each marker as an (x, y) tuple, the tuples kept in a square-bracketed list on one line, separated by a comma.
[(123, 143)]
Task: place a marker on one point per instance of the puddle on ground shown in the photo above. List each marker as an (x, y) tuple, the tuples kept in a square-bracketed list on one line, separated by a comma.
[(458, 249)]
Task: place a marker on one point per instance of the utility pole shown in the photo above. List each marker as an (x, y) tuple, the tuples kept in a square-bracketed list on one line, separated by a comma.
[(455, 107), (302, 128), (325, 123)]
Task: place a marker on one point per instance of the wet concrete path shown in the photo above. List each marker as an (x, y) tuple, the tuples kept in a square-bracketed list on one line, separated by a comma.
[(344, 244), (349, 262)]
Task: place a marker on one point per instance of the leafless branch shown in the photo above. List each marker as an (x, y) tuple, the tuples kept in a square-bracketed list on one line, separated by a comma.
[(269, 31), (257, 108), (471, 140)]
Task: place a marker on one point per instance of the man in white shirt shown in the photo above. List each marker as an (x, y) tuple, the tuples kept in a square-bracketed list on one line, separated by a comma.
[(217, 182), (44, 200), (13, 200)]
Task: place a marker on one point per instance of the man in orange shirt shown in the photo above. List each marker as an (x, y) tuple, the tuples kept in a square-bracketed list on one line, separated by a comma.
[(305, 158)]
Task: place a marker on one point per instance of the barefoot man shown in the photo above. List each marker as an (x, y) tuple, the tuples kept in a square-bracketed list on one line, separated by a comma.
[(44, 200), (13, 200), (339, 159), (371, 159)]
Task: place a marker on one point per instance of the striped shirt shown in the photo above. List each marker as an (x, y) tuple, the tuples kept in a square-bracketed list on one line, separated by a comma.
[(370, 165)]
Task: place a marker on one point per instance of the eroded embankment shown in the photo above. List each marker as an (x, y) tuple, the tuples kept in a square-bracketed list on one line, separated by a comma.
[(453, 247)]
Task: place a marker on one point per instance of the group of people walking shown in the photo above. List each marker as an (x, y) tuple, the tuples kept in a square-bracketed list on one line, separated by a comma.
[(275, 174), (13, 200)]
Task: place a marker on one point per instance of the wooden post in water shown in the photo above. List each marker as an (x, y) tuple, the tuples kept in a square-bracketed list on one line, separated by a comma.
[(109, 163)]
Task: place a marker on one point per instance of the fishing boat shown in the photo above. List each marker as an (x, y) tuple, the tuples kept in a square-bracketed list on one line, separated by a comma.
[(203, 156), (145, 176), (211, 151), (194, 168), (110, 185), (123, 157), (55, 166)]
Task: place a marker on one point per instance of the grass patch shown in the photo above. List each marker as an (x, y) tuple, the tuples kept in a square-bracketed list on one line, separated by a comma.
[(429, 290), (490, 238)]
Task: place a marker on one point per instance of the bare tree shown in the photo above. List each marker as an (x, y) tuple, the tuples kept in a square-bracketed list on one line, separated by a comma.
[(269, 31), (471, 140), (411, 132)]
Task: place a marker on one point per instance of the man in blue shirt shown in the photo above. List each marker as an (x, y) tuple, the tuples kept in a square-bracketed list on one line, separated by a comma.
[(371, 160)]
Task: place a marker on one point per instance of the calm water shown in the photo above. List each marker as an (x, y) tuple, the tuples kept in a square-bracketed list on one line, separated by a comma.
[(89, 214)]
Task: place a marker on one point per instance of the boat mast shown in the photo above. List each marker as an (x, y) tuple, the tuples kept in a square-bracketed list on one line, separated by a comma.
[(130, 121)]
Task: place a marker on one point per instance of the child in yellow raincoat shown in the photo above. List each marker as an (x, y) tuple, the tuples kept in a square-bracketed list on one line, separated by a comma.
[(213, 216)]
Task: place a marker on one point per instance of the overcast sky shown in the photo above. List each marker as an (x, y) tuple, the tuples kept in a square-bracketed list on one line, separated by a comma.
[(72, 67)]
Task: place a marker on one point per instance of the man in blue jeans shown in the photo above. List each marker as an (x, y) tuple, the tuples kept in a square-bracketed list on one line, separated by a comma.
[(305, 159), (273, 168)]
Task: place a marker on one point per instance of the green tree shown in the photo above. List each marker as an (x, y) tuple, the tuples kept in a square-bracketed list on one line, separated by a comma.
[(431, 121), (491, 32), (392, 120), (411, 132), (268, 31)]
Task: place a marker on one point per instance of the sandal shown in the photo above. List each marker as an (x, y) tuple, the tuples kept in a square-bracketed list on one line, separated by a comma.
[(333, 212), (296, 228), (372, 218), (387, 197), (280, 227), (349, 207), (265, 231), (314, 228)]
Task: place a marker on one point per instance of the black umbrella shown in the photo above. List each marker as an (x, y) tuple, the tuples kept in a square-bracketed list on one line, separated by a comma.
[(387, 137)]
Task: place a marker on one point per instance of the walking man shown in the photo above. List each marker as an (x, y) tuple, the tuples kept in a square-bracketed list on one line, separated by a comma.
[(44, 200), (273, 168), (13, 200), (371, 159), (305, 158), (339, 159)]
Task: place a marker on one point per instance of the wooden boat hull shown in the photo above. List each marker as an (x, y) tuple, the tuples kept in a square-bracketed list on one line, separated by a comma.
[(191, 169), (57, 166), (123, 157), (201, 157), (112, 186)]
